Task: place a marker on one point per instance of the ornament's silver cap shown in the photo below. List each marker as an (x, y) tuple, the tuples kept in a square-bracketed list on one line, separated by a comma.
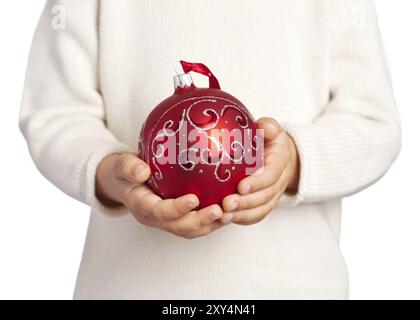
[(183, 80)]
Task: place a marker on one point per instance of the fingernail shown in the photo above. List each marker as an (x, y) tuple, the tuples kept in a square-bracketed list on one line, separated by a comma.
[(233, 206), (138, 170), (247, 189), (192, 204), (214, 216), (227, 218)]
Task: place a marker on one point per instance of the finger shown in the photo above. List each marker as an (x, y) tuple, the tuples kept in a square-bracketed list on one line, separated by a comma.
[(141, 198), (129, 167), (207, 230), (227, 218), (171, 209), (271, 128), (155, 208), (144, 220), (196, 223), (276, 157), (208, 215), (237, 202), (254, 215), (264, 177)]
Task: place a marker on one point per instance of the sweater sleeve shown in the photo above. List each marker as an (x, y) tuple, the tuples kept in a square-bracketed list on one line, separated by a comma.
[(62, 115), (357, 137)]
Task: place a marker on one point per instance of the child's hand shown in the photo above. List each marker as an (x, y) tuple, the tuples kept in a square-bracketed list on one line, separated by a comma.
[(258, 194), (120, 180)]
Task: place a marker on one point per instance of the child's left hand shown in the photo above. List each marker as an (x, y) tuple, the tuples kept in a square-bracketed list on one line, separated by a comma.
[(259, 193)]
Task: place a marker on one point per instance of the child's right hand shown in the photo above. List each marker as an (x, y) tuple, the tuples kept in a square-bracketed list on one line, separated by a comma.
[(120, 179)]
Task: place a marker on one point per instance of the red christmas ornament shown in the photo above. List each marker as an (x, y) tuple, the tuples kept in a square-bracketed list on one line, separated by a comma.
[(200, 140)]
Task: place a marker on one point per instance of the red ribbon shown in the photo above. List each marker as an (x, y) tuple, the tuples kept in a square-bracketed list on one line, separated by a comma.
[(201, 69)]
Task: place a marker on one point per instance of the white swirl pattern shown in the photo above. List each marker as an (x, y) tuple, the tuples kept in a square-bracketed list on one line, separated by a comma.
[(158, 149)]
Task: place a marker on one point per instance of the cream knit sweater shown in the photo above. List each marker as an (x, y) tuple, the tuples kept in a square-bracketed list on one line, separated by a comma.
[(96, 70)]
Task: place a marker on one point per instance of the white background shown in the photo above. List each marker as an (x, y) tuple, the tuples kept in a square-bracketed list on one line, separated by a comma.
[(42, 231)]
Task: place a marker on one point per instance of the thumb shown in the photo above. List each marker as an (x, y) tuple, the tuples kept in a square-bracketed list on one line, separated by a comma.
[(271, 128), (130, 168)]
